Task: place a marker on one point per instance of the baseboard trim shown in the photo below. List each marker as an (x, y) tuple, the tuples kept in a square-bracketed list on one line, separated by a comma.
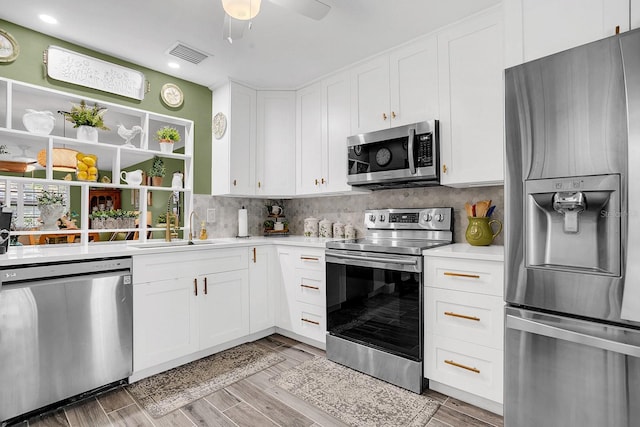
[(467, 397)]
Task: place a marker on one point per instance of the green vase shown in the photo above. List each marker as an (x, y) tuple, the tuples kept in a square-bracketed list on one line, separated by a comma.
[(479, 231)]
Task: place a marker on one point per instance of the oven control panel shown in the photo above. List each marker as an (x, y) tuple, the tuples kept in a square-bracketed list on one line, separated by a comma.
[(409, 219)]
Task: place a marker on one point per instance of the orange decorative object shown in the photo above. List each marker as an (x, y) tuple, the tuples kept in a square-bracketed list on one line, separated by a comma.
[(64, 159)]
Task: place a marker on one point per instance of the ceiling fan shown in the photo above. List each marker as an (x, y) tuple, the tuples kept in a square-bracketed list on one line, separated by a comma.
[(239, 13)]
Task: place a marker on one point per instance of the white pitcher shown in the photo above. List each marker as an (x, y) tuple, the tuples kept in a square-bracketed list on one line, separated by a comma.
[(132, 178)]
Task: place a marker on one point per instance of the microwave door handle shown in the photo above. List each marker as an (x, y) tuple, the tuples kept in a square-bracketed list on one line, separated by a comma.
[(412, 160)]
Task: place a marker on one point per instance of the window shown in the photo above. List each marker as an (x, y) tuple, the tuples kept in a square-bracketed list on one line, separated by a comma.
[(22, 199)]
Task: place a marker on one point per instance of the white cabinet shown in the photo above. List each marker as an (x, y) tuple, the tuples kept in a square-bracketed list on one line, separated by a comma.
[(471, 101), (234, 154), (263, 282), (464, 324), (537, 28), (322, 131), (397, 88), (179, 311), (302, 298), (275, 160), (634, 18), (112, 155)]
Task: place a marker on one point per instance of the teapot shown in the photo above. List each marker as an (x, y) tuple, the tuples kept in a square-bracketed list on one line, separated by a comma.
[(132, 178)]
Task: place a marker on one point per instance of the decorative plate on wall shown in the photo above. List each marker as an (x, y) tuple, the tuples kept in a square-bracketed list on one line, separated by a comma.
[(9, 48), (219, 125), (171, 95)]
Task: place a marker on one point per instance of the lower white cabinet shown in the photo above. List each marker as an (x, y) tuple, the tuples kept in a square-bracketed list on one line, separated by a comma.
[(263, 277), (464, 323), (179, 311), (302, 301)]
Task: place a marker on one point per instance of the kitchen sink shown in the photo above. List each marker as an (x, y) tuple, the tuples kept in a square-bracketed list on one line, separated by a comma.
[(171, 244)]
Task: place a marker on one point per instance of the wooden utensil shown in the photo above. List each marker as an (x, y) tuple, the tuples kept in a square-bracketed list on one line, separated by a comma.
[(482, 207), (469, 209)]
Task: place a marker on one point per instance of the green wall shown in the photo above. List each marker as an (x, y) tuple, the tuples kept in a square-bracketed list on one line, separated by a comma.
[(28, 67)]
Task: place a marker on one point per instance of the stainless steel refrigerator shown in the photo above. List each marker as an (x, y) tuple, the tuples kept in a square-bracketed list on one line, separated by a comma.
[(572, 279)]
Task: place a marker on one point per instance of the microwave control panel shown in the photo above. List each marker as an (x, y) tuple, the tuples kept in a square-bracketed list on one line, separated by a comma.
[(424, 156)]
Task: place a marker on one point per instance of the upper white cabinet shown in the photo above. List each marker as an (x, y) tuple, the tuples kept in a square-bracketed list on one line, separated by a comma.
[(471, 101), (256, 155), (321, 141), (395, 89), (537, 28), (234, 154), (276, 124)]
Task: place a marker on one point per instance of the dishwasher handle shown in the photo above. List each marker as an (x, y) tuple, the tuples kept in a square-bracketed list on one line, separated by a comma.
[(51, 270)]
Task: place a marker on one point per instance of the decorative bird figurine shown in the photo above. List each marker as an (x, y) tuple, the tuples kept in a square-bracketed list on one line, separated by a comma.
[(128, 134)]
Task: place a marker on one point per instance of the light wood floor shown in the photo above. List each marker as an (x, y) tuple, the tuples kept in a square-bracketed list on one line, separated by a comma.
[(252, 402)]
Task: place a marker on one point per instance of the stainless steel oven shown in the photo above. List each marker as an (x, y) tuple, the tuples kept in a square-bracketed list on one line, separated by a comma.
[(403, 156), (374, 293)]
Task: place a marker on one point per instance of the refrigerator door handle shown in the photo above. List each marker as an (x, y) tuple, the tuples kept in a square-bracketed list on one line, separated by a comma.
[(538, 328)]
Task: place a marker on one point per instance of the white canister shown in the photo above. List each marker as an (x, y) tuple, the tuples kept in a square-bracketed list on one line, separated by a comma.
[(338, 230), (326, 228), (311, 227), (349, 232)]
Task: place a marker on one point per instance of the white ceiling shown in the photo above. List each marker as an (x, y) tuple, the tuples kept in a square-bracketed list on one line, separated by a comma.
[(283, 50)]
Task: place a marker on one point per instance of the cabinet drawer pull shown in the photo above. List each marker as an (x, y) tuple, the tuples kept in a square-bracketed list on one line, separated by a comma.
[(309, 258), (316, 181), (393, 114), (462, 316), (384, 116), (322, 181), (234, 182), (195, 286), (254, 255), (259, 184), (310, 287), (444, 168), (459, 365), (310, 321), (471, 276), (205, 285)]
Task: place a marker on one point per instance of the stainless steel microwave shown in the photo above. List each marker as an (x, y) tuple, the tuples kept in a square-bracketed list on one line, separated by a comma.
[(404, 156)]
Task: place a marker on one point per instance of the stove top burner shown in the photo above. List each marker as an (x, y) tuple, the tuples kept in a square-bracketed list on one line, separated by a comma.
[(402, 231)]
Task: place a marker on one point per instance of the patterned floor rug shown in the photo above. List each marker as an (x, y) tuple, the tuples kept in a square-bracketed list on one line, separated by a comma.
[(355, 398), (170, 390)]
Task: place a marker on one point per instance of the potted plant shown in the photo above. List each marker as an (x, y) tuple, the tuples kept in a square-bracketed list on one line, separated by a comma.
[(87, 120), (166, 136), (51, 207), (157, 171), (98, 219)]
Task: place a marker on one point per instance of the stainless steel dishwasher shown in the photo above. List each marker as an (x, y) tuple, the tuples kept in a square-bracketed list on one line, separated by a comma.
[(65, 329)]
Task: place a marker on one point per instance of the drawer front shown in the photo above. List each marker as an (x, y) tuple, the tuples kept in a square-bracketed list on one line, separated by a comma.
[(470, 367), (151, 268), (482, 277), (310, 321), (465, 316), (310, 287), (309, 258)]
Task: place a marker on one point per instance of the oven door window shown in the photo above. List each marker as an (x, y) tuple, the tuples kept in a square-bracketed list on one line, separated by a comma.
[(376, 307)]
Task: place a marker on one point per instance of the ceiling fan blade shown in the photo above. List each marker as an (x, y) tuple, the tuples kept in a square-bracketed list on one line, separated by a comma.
[(313, 9), (232, 28)]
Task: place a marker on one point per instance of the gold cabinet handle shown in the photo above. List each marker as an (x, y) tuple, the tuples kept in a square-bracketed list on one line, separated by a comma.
[(461, 316), (459, 365), (234, 182), (316, 181), (254, 255), (322, 181), (393, 114), (384, 116), (309, 321), (259, 184), (308, 258), (205, 285), (444, 168), (195, 286), (310, 287), (470, 276)]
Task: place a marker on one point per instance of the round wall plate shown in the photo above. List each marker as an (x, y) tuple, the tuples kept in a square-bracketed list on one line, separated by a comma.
[(171, 95), (9, 48), (219, 125)]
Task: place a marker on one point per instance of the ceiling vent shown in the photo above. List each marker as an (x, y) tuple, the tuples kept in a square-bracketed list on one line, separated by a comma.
[(182, 51)]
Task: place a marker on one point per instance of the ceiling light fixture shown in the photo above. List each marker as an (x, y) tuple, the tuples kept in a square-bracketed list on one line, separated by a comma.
[(173, 65), (48, 19), (243, 10)]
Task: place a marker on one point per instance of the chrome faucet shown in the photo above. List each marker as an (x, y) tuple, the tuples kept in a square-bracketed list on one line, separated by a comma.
[(167, 232)]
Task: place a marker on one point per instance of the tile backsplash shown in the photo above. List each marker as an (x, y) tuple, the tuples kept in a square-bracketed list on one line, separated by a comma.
[(347, 209)]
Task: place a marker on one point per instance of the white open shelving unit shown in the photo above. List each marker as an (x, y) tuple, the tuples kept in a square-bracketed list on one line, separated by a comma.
[(16, 97)]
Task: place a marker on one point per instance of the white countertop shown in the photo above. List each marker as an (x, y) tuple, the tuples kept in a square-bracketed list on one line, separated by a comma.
[(465, 250), (74, 252)]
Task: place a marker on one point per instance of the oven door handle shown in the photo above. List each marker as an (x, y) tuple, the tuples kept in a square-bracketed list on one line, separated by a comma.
[(412, 160), (403, 264)]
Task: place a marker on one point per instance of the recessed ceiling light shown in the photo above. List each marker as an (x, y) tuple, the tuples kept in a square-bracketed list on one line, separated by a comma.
[(48, 19), (173, 65)]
